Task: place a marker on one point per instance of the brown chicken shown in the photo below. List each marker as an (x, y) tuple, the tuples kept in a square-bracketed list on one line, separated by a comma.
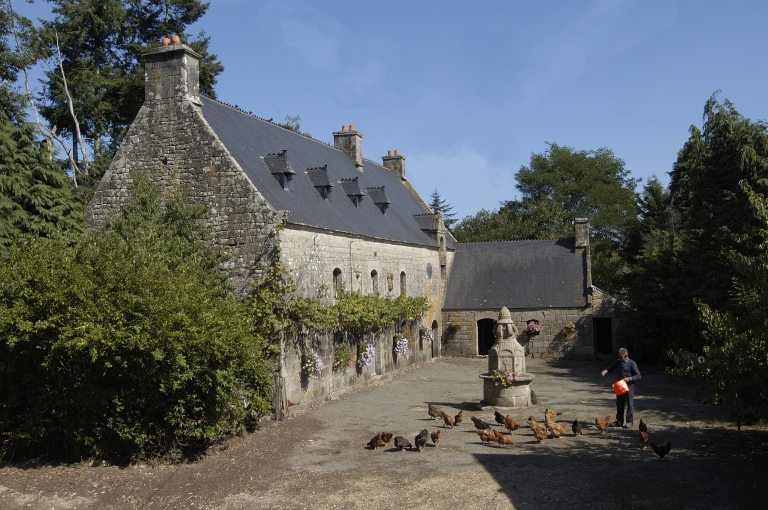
[(549, 414), (540, 431), (510, 424), (447, 419), (386, 437), (642, 427), (458, 419), (644, 439), (376, 441), (602, 424), (502, 439), (661, 451), (435, 437), (557, 429), (486, 435)]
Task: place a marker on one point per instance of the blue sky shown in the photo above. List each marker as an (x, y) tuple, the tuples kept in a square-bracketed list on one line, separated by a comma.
[(468, 90)]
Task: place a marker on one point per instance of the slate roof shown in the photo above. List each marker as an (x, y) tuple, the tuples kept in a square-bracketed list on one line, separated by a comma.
[(517, 274), (249, 139)]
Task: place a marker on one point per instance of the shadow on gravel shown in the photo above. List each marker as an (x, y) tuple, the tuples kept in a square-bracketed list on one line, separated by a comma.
[(705, 470)]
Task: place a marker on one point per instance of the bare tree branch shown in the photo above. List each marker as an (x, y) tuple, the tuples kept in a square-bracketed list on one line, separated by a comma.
[(48, 133), (71, 107)]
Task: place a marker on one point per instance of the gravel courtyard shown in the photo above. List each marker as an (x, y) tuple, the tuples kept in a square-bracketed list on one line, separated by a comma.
[(317, 458)]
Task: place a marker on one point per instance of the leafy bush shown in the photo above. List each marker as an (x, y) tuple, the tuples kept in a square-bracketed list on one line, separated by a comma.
[(128, 344)]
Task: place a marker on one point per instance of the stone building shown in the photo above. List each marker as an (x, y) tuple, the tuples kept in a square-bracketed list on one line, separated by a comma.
[(545, 283), (339, 219)]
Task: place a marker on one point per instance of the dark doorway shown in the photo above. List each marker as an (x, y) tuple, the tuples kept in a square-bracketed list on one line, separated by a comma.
[(485, 338), (603, 336), (435, 341)]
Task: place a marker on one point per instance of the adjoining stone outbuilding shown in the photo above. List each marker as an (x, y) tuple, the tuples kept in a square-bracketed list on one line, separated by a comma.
[(544, 282)]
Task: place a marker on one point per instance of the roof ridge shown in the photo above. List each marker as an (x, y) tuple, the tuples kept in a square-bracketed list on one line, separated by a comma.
[(251, 114)]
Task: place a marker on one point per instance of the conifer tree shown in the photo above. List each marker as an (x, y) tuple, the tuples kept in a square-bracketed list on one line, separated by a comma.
[(439, 205)]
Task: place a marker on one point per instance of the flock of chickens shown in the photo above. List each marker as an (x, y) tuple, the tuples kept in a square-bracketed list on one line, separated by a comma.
[(489, 435)]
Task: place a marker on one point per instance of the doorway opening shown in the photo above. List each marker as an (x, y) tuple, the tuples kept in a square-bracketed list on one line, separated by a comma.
[(485, 338), (603, 335)]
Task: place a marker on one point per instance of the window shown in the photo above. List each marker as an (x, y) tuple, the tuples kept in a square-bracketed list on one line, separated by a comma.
[(375, 283), (337, 282), (402, 283)]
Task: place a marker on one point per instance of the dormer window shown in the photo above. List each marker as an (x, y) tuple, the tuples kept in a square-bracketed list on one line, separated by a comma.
[(319, 178), (379, 198), (280, 168), (352, 189)]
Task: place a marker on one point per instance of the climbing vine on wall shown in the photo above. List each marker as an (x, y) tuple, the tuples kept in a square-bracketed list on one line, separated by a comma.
[(278, 309)]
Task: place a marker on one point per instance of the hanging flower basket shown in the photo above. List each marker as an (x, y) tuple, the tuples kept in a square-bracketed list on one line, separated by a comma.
[(342, 356), (312, 365), (532, 327), (569, 329), (365, 355), (401, 346), (427, 334)]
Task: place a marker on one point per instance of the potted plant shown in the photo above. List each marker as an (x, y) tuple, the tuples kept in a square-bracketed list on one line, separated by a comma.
[(532, 327), (503, 378), (364, 355), (312, 365), (401, 345), (569, 329)]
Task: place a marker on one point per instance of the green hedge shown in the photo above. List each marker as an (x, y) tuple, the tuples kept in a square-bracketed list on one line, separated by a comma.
[(129, 343)]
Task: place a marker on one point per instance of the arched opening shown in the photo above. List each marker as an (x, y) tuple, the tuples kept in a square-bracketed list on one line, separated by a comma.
[(402, 283), (337, 282), (374, 283), (435, 340), (485, 338)]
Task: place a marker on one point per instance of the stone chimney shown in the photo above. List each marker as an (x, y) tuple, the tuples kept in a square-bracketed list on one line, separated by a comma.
[(171, 73), (351, 142), (582, 245), (582, 232), (395, 163)]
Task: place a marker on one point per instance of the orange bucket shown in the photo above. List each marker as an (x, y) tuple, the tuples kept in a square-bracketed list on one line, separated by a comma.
[(620, 387)]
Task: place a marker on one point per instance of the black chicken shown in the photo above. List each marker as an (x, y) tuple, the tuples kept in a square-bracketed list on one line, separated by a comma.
[(661, 451), (576, 428), (402, 443), (434, 412), (480, 424), (421, 439), (498, 417)]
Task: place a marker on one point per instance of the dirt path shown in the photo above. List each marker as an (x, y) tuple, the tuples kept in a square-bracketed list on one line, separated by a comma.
[(317, 459)]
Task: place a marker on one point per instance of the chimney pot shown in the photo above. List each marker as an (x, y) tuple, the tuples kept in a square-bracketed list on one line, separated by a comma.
[(389, 153), (396, 153), (166, 41), (351, 127), (344, 127), (175, 39)]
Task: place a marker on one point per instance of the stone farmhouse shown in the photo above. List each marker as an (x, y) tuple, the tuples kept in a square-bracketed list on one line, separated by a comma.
[(341, 220)]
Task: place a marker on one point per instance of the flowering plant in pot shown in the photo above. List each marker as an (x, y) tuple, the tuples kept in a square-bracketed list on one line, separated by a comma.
[(569, 328), (401, 346), (502, 377), (427, 334), (532, 327), (365, 355), (312, 364)]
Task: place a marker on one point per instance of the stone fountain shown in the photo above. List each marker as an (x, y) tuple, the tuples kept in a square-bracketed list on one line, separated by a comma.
[(507, 354)]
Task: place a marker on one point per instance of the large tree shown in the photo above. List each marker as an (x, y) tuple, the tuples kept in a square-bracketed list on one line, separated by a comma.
[(34, 190), (101, 44)]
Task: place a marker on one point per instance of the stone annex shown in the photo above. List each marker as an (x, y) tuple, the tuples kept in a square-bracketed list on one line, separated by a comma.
[(343, 221)]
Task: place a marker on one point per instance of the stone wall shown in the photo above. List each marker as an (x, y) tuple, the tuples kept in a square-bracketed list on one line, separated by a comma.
[(313, 254), (551, 342), (171, 142), (332, 383)]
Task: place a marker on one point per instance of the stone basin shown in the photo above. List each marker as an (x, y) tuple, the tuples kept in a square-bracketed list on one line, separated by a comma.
[(516, 395)]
